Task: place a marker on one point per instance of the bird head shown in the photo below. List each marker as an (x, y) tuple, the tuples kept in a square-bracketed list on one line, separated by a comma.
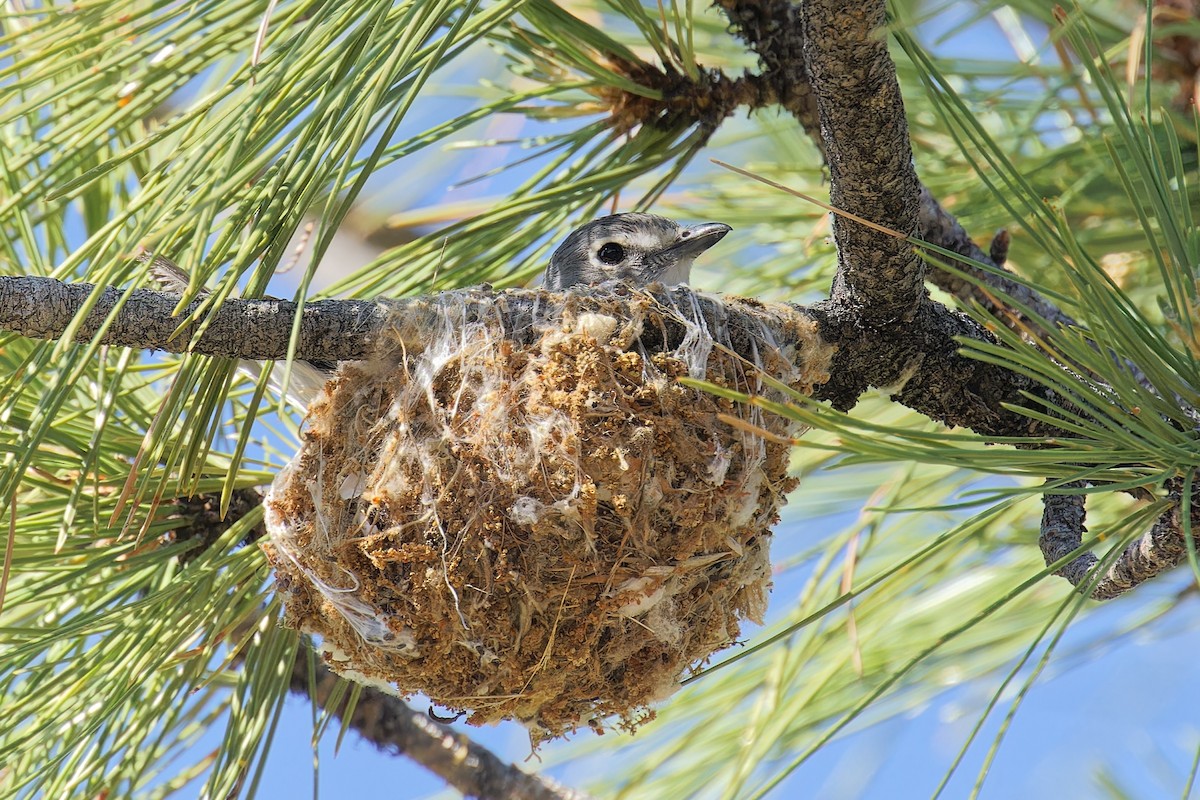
[(639, 248)]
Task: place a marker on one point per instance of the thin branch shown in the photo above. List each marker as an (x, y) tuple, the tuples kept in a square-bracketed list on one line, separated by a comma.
[(43, 308), (939, 227), (389, 724), (1160, 549), (705, 101), (771, 28)]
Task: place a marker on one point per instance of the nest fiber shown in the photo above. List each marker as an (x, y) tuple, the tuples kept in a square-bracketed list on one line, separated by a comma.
[(517, 509)]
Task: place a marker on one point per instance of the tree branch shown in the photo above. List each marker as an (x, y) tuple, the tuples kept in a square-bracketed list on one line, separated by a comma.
[(43, 308), (939, 227), (870, 158), (947, 387), (771, 28), (921, 362), (1160, 549), (389, 724)]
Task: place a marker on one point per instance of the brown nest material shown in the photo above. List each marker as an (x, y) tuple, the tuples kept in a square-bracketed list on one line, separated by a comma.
[(531, 517)]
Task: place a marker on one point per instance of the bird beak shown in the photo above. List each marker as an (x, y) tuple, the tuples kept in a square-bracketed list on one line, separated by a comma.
[(695, 240)]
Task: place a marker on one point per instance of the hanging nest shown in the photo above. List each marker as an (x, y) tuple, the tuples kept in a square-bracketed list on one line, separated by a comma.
[(528, 516)]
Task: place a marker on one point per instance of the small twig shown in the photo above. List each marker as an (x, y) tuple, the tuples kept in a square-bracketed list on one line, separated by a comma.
[(772, 30), (388, 723), (939, 227), (704, 101), (1160, 549)]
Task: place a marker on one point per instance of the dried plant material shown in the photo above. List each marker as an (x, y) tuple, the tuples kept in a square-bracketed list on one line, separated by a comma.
[(531, 518)]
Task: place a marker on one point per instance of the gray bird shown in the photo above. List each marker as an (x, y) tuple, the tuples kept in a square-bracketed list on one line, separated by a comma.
[(639, 248)]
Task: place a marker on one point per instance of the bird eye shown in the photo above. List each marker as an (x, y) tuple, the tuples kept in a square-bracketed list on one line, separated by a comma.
[(611, 253)]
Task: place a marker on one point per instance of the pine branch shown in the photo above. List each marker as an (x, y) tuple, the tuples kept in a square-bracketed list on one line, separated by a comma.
[(1160, 549), (921, 362), (919, 356), (43, 308), (938, 226), (772, 29), (870, 160)]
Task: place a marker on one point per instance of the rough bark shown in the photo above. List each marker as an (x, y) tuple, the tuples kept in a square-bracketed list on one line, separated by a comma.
[(870, 160), (1160, 549), (772, 29), (42, 308)]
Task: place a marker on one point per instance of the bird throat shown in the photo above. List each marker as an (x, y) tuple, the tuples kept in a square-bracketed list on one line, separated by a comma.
[(676, 273)]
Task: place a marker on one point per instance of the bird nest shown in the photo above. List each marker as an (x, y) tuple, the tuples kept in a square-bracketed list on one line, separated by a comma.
[(526, 515)]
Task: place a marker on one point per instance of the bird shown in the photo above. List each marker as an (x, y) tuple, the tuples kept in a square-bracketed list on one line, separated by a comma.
[(634, 247)]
